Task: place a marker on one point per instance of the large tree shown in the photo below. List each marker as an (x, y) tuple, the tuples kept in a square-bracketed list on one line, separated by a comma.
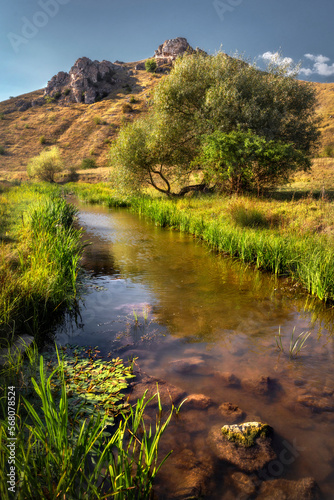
[(205, 94)]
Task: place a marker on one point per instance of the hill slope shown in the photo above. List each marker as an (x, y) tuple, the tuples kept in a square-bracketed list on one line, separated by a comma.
[(86, 130)]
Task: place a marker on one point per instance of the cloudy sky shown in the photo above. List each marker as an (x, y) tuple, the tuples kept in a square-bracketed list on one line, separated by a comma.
[(38, 38)]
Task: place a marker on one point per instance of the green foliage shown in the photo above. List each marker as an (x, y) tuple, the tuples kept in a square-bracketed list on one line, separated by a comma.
[(328, 151), (248, 436), (151, 65), (67, 92), (88, 163), (271, 114), (42, 139), (248, 217), (97, 120), (2, 116), (49, 99), (133, 100), (43, 277), (46, 165), (2, 150), (57, 95), (239, 161), (61, 456)]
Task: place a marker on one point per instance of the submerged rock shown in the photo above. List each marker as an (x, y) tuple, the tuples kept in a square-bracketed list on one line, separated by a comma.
[(263, 386), (186, 476), (243, 483), (187, 365), (247, 446), (284, 489), (231, 413), (169, 393), (197, 402), (317, 404), (227, 379)]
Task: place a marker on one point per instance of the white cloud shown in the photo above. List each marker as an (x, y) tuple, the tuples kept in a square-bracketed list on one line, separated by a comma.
[(317, 59), (320, 66), (275, 57)]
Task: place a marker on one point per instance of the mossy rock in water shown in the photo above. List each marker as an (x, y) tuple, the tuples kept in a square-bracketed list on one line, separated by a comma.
[(247, 433)]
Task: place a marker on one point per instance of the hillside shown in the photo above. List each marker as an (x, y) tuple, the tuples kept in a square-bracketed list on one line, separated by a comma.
[(82, 130), (79, 130)]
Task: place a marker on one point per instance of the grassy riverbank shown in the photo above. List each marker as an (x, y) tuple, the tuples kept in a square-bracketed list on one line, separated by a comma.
[(285, 237), (39, 257)]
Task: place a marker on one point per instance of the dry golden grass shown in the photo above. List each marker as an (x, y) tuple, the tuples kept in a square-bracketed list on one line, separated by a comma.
[(82, 130), (74, 129)]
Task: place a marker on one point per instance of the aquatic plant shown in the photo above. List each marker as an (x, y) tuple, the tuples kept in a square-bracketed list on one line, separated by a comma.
[(59, 455), (296, 344)]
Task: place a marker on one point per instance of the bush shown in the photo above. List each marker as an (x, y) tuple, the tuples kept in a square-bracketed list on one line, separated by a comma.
[(42, 139), (97, 120), (88, 163), (2, 116), (67, 91), (127, 108), (133, 100), (328, 151), (44, 166), (151, 65), (2, 150), (57, 95)]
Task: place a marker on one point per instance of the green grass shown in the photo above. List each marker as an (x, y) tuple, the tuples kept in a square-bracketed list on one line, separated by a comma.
[(39, 257), (59, 455), (291, 237)]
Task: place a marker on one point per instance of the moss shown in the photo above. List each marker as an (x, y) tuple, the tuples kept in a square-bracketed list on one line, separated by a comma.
[(246, 435)]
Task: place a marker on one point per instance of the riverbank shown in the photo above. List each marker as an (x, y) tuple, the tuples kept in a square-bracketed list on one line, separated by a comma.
[(39, 258), (285, 237)]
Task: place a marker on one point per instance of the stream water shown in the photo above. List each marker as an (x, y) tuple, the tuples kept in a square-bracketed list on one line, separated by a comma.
[(220, 317)]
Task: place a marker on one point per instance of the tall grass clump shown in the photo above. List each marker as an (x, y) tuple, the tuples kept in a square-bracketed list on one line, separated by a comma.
[(39, 257), (60, 457)]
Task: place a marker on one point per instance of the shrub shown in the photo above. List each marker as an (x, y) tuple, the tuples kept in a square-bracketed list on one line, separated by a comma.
[(328, 151), (66, 92), (2, 116), (44, 166), (151, 65), (248, 217), (2, 150), (133, 100), (48, 99), (88, 163), (42, 139), (57, 95), (97, 120), (127, 108)]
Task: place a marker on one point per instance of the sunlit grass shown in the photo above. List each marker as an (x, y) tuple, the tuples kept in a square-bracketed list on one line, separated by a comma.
[(39, 256)]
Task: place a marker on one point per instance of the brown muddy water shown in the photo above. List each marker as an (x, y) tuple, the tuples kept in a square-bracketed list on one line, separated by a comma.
[(219, 316)]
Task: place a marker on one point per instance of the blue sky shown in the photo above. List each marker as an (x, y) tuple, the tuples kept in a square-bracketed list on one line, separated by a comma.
[(38, 38)]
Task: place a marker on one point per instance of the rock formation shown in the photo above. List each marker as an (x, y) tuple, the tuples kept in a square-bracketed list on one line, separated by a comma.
[(171, 49), (86, 82)]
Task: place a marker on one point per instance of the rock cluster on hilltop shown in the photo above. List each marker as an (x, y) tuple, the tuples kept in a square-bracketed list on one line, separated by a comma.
[(171, 49), (86, 82)]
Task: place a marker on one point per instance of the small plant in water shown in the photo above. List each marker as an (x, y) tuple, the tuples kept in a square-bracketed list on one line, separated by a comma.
[(296, 344), (135, 315)]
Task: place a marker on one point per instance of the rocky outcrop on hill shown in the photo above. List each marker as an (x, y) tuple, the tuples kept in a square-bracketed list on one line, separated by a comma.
[(171, 49), (86, 82)]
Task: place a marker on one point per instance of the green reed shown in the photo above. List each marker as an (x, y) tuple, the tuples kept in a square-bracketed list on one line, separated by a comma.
[(39, 263), (73, 458)]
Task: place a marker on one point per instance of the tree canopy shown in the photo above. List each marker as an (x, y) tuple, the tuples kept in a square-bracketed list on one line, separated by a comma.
[(205, 95)]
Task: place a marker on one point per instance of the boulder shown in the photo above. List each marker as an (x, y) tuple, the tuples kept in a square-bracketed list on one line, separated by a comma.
[(242, 483), (248, 446), (86, 82), (284, 489), (173, 48)]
